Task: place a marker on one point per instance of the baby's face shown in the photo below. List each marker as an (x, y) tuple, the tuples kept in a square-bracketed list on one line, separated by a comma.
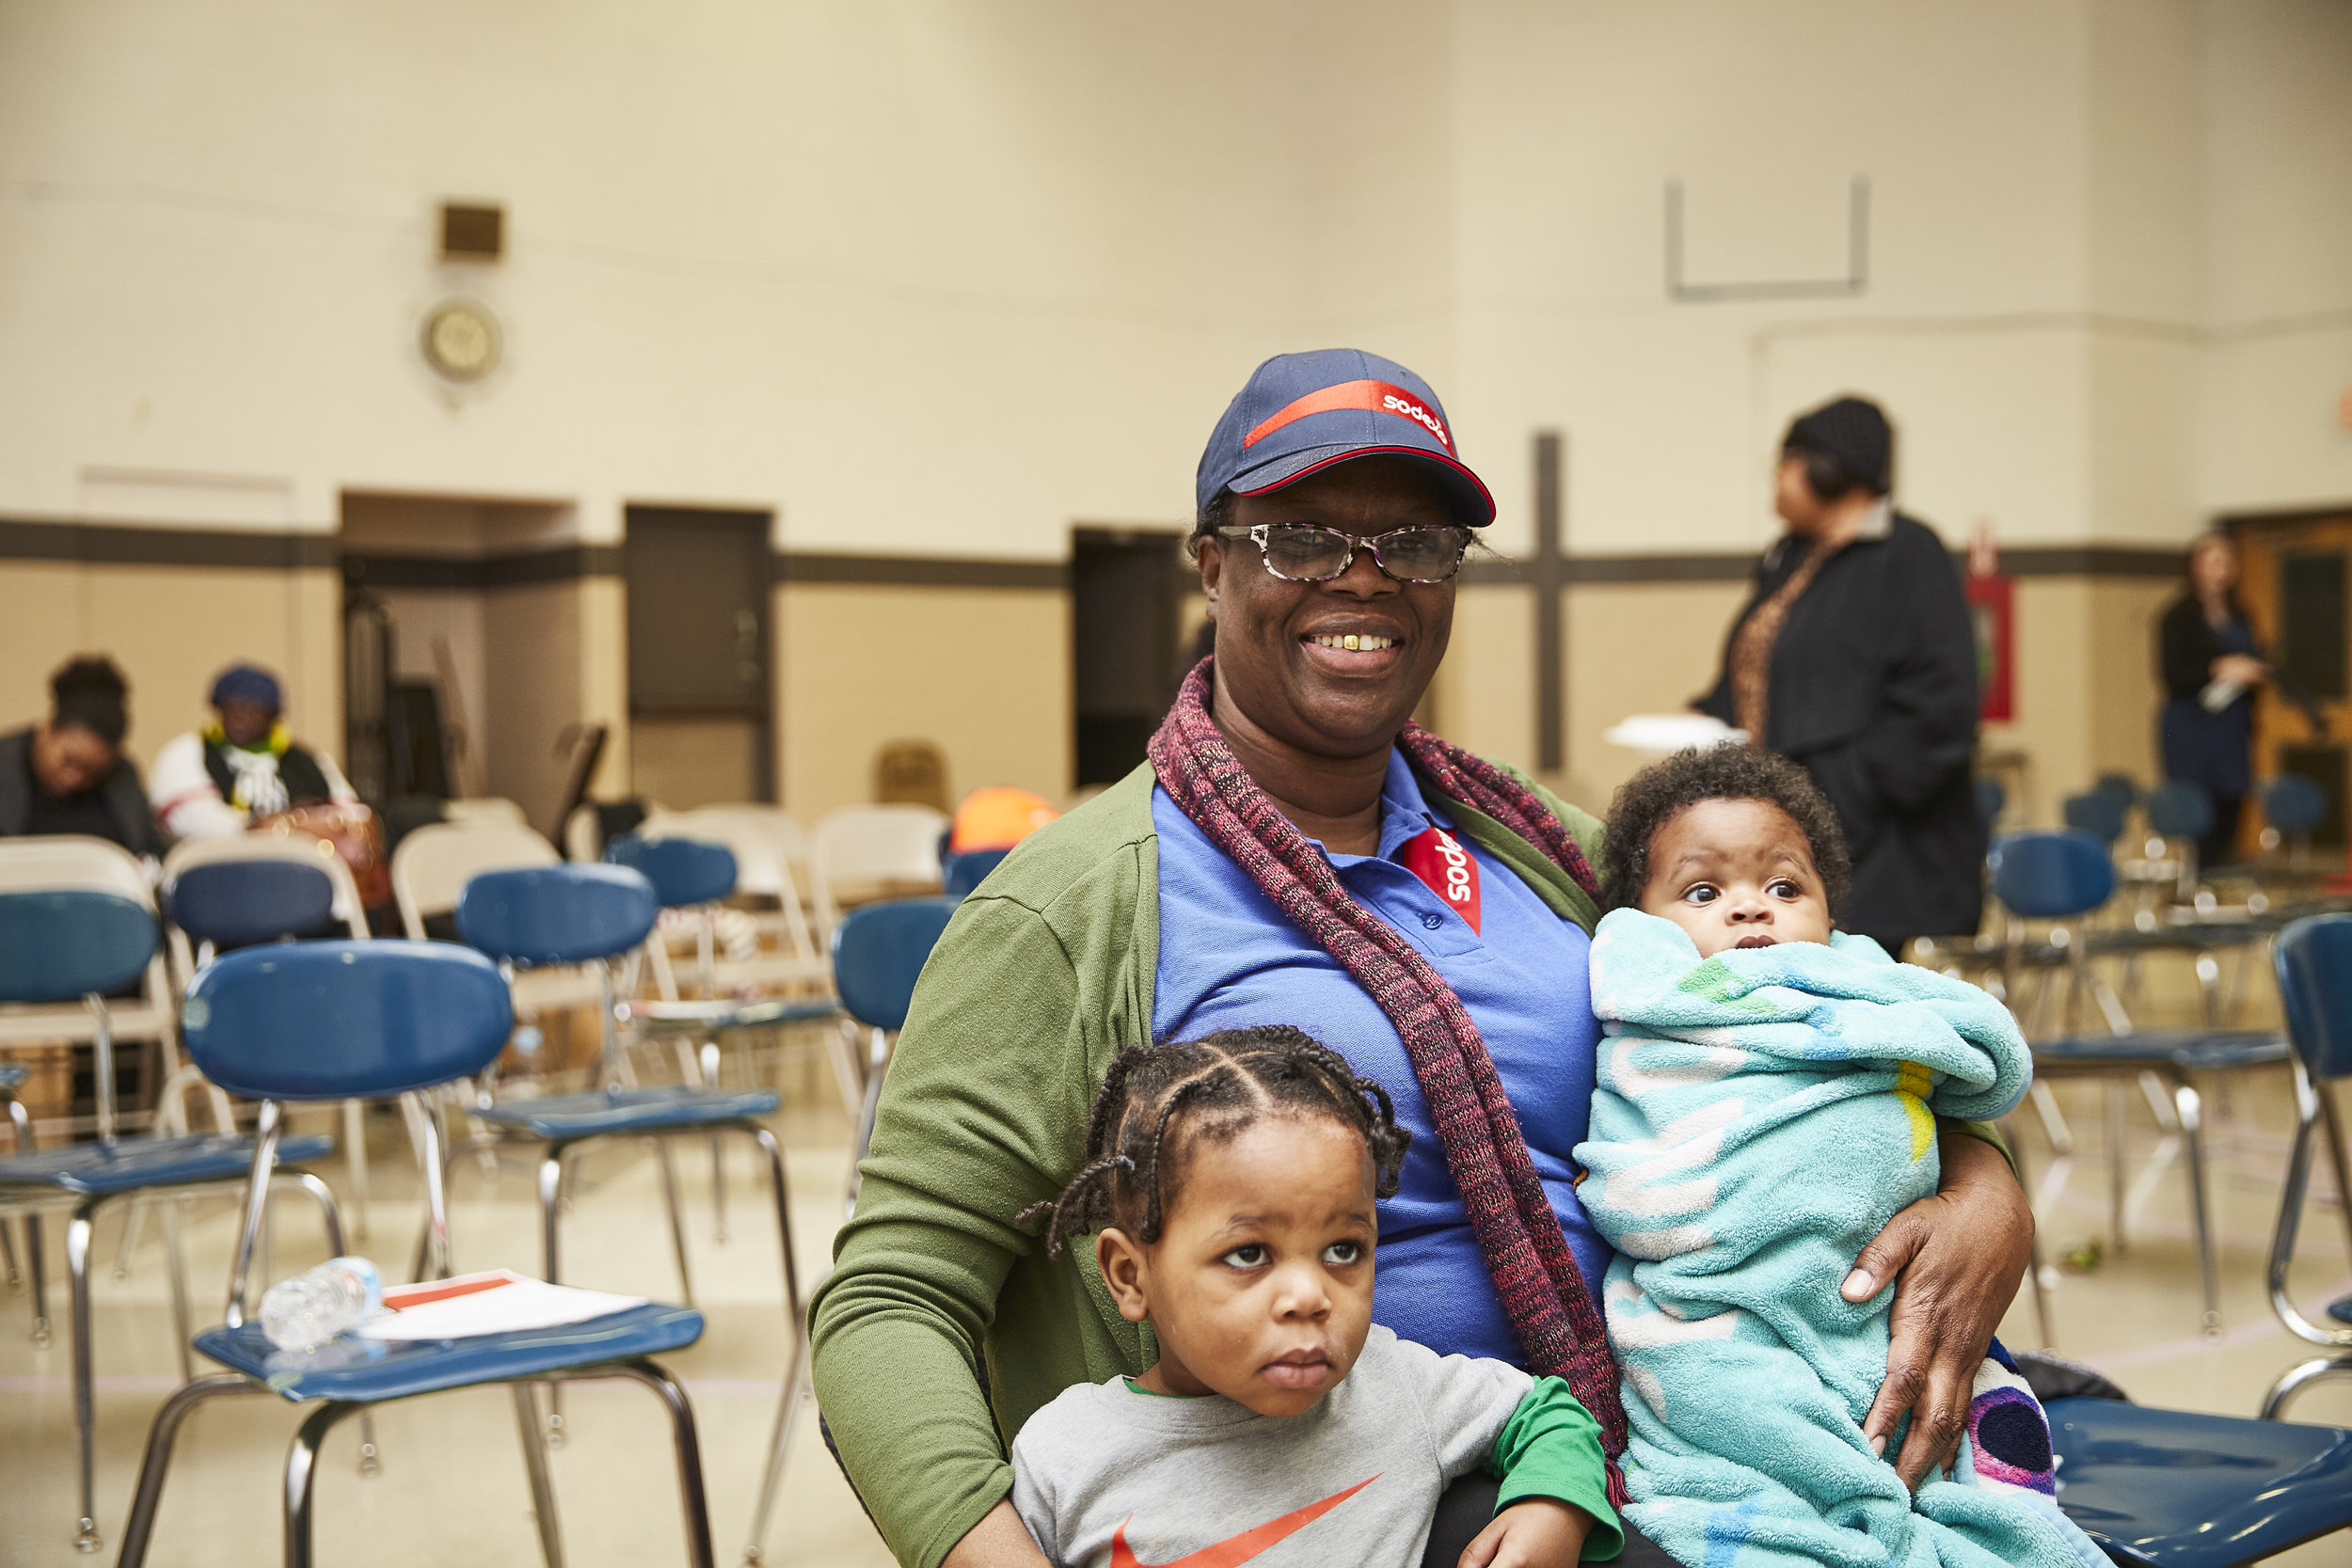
[(1736, 874)]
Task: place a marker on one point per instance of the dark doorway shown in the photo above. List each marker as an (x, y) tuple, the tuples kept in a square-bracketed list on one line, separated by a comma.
[(701, 729), (1126, 588)]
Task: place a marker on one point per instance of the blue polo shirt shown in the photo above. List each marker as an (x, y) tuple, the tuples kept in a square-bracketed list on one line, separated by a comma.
[(1229, 959)]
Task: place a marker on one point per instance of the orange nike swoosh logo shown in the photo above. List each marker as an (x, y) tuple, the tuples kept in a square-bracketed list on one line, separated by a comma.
[(1236, 1550)]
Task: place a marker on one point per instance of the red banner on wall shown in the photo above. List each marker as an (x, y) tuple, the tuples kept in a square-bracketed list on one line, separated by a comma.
[(1991, 608)]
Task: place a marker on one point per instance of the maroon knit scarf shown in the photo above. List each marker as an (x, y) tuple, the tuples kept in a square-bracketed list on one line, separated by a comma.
[(1526, 1254)]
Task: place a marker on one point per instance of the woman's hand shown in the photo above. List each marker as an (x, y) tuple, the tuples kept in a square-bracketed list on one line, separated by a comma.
[(1000, 1539), (1960, 1256), (1536, 1533), (2240, 669)]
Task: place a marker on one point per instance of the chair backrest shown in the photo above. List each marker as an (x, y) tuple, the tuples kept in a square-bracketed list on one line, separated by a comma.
[(54, 862), (235, 903), (346, 1020), (2313, 956), (434, 862), (2122, 785), (969, 869), (2100, 813), (864, 846), (1991, 795), (557, 914), (61, 944), (776, 826), (684, 871), (2179, 807), (493, 809), (2051, 875), (878, 953), (2294, 805), (282, 848)]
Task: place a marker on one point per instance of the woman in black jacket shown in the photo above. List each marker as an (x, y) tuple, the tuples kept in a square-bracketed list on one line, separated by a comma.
[(2211, 664), (1856, 658)]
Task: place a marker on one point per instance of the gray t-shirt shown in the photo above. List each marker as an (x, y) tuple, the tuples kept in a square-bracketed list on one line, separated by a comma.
[(1107, 1477)]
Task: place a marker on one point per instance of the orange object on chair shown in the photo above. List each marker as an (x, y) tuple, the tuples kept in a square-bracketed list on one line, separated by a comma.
[(998, 817)]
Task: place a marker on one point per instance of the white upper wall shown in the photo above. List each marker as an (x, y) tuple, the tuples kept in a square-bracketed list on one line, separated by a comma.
[(934, 278)]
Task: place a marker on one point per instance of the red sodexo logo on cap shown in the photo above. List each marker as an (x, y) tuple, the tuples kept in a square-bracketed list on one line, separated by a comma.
[(1379, 397)]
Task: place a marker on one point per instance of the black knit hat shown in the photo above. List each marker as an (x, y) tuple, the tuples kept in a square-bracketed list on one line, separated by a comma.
[(1851, 432)]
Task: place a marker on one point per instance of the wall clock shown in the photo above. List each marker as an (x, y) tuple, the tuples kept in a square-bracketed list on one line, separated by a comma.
[(462, 339)]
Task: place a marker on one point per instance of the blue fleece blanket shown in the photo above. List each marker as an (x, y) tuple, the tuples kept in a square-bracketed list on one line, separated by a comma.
[(1761, 1114)]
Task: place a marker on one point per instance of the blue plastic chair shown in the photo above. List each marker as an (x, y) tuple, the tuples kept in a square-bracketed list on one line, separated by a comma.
[(2122, 786), (592, 914), (2314, 964), (56, 946), (2062, 877), (2174, 1489), (404, 1016), (967, 871), (2292, 809), (2098, 813)]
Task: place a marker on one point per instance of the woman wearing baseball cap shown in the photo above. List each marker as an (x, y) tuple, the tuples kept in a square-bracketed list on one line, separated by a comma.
[(1294, 851)]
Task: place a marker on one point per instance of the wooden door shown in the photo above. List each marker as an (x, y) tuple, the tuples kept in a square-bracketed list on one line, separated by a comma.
[(699, 715), (2297, 582)]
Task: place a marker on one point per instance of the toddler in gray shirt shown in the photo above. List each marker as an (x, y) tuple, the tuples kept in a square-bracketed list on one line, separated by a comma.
[(1231, 1180)]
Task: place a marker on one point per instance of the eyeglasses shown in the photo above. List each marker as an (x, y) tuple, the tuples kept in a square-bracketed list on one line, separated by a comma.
[(1303, 552)]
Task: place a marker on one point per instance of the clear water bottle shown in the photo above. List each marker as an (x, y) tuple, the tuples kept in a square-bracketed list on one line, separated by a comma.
[(308, 1310)]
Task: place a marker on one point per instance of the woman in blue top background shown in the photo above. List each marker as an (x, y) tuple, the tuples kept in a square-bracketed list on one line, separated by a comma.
[(2211, 665)]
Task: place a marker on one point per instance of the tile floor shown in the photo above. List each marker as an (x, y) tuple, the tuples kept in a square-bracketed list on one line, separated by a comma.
[(452, 1492)]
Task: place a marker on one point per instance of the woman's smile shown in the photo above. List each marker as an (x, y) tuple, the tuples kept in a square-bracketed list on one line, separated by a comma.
[(1355, 651)]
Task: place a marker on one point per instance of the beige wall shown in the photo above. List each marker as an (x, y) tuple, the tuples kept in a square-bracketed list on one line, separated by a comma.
[(2087, 691), (558, 659), (984, 673), (171, 628)]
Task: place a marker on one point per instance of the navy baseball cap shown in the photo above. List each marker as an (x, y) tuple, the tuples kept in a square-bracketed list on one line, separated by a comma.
[(1301, 413), (248, 683)]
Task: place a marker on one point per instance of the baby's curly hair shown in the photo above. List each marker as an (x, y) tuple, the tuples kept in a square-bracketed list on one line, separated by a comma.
[(1658, 793), (1158, 1103)]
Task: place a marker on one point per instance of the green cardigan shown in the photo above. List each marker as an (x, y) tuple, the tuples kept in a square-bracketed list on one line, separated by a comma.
[(1042, 975)]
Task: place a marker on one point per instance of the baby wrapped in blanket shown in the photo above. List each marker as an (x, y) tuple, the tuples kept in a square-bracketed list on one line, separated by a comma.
[(1767, 1103)]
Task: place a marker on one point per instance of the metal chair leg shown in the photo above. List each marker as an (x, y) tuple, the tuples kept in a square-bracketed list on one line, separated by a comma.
[(175, 1266), (302, 1467), (35, 1266), (8, 1248), (689, 1461), (796, 1375), (677, 1220), (2192, 1115), (23, 1121), (542, 1485), (2300, 1377), (77, 1239), (551, 1207), (140, 1526), (356, 1163), (2115, 1165)]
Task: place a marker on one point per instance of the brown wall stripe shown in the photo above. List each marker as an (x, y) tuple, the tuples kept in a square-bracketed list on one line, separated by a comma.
[(107, 544), (920, 571), (113, 545)]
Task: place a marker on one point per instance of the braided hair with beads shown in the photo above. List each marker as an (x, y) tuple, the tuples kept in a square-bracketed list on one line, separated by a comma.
[(1159, 1101)]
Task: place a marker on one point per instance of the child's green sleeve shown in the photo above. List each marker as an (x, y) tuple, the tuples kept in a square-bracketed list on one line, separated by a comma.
[(1551, 1447)]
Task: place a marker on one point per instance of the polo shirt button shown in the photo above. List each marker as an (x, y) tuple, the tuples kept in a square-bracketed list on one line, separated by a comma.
[(1433, 921)]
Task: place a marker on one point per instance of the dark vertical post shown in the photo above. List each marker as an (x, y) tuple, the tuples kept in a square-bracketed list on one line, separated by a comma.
[(1549, 577)]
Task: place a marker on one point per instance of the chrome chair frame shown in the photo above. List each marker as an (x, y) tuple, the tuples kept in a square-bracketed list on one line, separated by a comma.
[(24, 1195), (2319, 1041), (302, 1453)]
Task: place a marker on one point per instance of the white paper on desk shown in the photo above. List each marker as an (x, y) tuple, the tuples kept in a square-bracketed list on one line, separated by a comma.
[(499, 1302)]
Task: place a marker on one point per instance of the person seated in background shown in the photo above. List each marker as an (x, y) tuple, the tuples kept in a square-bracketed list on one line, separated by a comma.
[(67, 774), (242, 767)]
